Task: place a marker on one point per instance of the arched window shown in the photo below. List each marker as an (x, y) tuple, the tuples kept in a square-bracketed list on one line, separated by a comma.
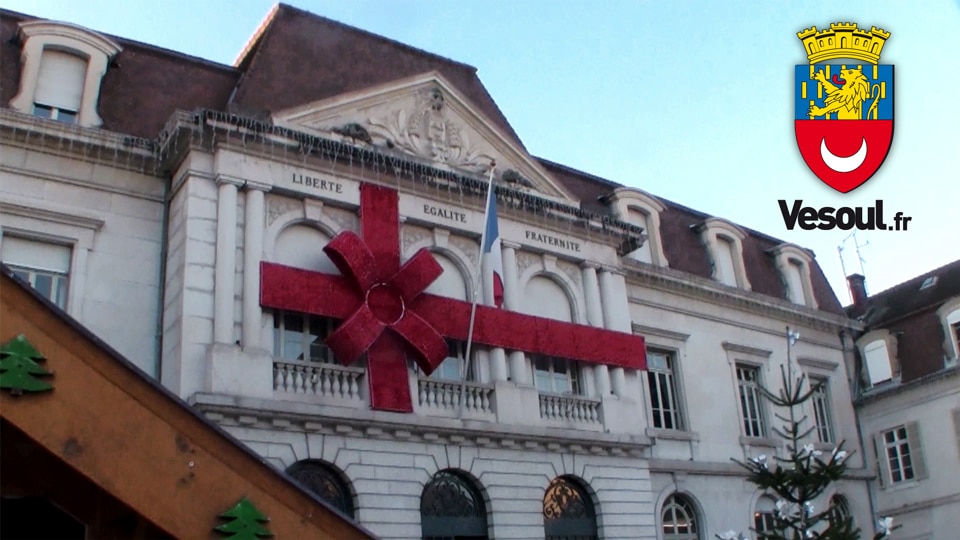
[(679, 519), (842, 507), (763, 518), (451, 284), (568, 512), (451, 508), (325, 482)]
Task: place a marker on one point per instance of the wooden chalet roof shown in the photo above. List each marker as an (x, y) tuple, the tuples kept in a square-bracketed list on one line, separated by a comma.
[(141, 444)]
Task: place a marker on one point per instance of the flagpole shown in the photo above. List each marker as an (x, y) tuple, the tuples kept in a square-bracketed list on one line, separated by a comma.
[(476, 291)]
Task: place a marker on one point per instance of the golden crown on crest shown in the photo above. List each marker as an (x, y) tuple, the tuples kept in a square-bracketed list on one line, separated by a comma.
[(843, 40)]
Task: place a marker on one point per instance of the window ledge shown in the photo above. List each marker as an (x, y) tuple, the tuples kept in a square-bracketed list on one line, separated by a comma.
[(760, 441), (672, 434), (906, 484), (824, 446)]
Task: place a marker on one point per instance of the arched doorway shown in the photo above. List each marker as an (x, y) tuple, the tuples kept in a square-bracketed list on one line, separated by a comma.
[(568, 512), (325, 482), (451, 508)]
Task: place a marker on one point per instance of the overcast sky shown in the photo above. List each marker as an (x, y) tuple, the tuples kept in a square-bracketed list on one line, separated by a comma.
[(691, 101)]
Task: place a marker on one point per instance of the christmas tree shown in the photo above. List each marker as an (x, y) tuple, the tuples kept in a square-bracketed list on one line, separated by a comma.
[(804, 474), (19, 367), (244, 522)]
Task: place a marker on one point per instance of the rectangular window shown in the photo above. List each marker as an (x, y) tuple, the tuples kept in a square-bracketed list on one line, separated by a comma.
[(664, 401), (45, 266), (450, 369), (899, 459), (726, 271), (878, 362), (302, 337), (556, 375), (642, 253), (795, 282), (748, 378), (59, 90), (821, 409)]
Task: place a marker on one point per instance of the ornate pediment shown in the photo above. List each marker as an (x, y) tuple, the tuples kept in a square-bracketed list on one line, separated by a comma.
[(427, 118)]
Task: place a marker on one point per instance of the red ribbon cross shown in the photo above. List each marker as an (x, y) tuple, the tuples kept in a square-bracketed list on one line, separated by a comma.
[(385, 314)]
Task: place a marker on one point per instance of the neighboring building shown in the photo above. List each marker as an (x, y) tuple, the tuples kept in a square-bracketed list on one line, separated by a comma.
[(162, 200), (909, 399)]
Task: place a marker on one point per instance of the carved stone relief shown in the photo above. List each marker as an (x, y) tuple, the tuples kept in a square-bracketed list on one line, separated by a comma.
[(410, 235), (570, 270), (526, 260), (429, 131), (347, 220), (469, 247), (278, 206)]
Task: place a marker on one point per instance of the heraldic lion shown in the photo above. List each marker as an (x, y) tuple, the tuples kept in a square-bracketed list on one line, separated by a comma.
[(846, 99)]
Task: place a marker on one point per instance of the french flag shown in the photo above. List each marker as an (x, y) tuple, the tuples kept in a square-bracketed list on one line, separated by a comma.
[(492, 254)]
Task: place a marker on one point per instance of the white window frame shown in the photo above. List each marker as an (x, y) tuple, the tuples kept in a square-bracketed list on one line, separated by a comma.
[(47, 222), (451, 368), (688, 508), (899, 452), (558, 368), (949, 315), (869, 342), (786, 255), (325, 325), (822, 409), (764, 519), (98, 50), (711, 230), (659, 381), (624, 199), (753, 423)]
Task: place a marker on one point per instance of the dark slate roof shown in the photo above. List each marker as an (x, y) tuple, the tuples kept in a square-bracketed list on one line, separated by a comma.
[(911, 315), (297, 57)]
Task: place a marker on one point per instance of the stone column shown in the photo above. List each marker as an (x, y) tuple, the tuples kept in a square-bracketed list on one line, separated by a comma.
[(591, 293), (616, 316), (511, 301), (253, 225), (226, 263)]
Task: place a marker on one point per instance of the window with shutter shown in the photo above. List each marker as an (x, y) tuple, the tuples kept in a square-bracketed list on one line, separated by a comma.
[(60, 86), (900, 453), (878, 362), (45, 266)]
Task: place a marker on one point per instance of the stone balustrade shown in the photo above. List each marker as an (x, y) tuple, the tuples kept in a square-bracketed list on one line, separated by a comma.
[(316, 379)]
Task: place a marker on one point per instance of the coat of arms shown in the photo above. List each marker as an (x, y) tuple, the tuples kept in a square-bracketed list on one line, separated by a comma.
[(844, 110)]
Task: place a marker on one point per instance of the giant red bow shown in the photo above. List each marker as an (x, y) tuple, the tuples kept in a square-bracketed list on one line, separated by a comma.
[(385, 303)]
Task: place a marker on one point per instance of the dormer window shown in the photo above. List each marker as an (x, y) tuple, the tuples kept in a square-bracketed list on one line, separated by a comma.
[(59, 91), (63, 66), (794, 264), (642, 209), (879, 352), (724, 243), (949, 315)]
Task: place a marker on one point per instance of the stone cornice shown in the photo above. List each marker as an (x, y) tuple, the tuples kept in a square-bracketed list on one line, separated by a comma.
[(746, 349), (314, 418), (83, 143), (65, 217), (817, 363), (708, 290), (644, 330)]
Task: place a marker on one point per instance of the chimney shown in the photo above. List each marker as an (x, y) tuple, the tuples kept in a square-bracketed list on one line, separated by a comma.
[(858, 290)]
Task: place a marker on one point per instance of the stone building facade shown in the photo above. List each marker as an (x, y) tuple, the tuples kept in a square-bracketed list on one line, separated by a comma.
[(154, 196)]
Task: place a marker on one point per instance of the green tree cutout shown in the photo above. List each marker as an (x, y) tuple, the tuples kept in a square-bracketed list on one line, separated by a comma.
[(19, 368), (244, 522)]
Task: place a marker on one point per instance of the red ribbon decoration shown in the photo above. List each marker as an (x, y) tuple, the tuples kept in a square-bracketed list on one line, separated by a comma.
[(385, 303), (385, 312)]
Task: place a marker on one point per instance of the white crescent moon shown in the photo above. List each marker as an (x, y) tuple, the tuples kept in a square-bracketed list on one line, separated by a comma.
[(843, 164)]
